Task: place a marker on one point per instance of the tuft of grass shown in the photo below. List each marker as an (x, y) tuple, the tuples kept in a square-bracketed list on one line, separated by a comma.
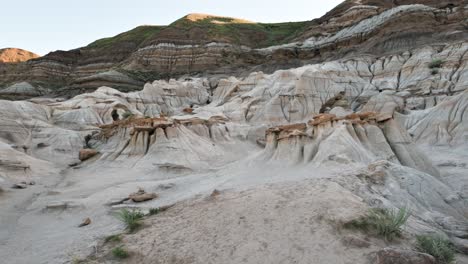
[(437, 246), (385, 223), (76, 260), (389, 222), (120, 252), (154, 211), (113, 238), (436, 63), (131, 219)]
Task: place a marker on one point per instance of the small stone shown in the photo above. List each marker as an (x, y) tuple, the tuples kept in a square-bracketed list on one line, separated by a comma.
[(215, 193), (188, 110), (85, 222), (86, 154), (142, 196)]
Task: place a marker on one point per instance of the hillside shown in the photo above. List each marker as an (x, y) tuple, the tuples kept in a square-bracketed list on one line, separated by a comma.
[(202, 29), (201, 45)]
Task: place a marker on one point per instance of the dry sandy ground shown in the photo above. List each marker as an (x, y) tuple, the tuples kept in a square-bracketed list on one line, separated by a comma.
[(293, 222), (265, 213), (31, 230)]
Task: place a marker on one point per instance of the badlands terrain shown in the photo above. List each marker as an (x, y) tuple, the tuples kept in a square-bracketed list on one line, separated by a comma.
[(242, 142)]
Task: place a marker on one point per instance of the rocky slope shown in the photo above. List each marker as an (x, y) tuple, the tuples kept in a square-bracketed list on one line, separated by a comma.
[(261, 167), (12, 55), (222, 46)]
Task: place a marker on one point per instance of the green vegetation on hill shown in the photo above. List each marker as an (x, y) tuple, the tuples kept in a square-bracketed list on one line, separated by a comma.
[(243, 32), (136, 36), (206, 29)]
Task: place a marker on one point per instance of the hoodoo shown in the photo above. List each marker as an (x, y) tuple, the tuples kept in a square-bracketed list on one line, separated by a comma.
[(343, 139)]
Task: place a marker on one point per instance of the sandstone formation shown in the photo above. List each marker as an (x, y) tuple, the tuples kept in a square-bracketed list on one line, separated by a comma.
[(219, 46), (264, 166)]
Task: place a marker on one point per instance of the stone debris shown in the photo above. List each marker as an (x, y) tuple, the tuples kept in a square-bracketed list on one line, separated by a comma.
[(86, 154), (86, 221), (141, 196), (215, 193)]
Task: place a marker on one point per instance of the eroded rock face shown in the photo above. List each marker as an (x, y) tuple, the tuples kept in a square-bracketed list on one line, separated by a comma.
[(355, 28), (355, 138), (382, 130)]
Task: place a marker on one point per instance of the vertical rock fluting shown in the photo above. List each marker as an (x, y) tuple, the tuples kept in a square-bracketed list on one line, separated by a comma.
[(355, 138)]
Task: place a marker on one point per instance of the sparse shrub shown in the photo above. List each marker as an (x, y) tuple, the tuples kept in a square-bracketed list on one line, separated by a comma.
[(318, 35), (435, 63), (389, 222), (154, 211), (120, 252), (113, 238), (383, 222), (437, 246), (76, 260), (435, 71), (127, 115), (131, 219)]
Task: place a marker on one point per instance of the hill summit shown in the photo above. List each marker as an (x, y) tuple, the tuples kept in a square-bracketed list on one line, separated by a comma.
[(9, 55), (194, 17)]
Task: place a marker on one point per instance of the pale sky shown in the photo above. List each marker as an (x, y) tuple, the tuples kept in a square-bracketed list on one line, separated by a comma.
[(42, 26)]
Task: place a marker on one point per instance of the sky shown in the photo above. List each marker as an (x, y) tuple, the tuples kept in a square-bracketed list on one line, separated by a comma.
[(42, 26)]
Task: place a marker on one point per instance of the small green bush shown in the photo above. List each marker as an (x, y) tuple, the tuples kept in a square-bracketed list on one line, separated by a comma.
[(131, 219), (437, 246), (435, 71), (120, 252), (76, 260), (154, 211), (127, 115), (436, 63), (113, 238), (383, 222)]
